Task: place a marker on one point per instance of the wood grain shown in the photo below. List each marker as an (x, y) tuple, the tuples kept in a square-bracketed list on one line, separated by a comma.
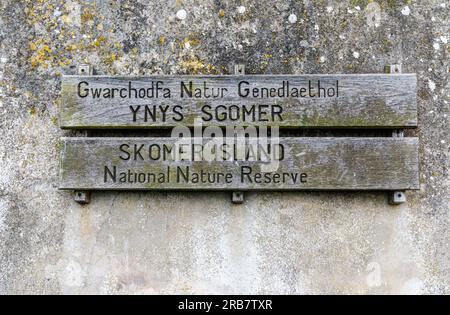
[(364, 101), (329, 164)]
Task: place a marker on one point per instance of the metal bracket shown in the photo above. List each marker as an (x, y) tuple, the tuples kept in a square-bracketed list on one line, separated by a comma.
[(393, 69), (239, 69), (85, 70), (80, 196), (238, 197), (396, 197)]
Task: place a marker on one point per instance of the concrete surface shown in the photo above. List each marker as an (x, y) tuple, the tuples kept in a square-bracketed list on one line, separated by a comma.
[(196, 242)]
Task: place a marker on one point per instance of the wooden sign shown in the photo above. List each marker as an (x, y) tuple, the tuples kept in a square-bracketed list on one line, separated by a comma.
[(297, 164), (300, 101)]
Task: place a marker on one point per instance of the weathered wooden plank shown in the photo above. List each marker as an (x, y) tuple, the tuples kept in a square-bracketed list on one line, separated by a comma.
[(319, 101), (306, 164)]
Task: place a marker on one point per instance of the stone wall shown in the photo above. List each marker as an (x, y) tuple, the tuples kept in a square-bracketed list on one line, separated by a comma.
[(307, 242)]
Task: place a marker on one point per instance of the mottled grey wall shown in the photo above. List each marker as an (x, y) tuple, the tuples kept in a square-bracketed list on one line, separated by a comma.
[(199, 242)]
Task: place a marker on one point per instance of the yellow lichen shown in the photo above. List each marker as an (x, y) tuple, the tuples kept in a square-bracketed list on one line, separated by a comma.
[(87, 16), (66, 19), (69, 34), (196, 66), (162, 40), (54, 120), (189, 41), (193, 66), (72, 47), (42, 57), (111, 59), (99, 41)]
